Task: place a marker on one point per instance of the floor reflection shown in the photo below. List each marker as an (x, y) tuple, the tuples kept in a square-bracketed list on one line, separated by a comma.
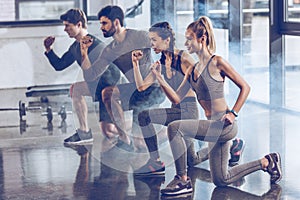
[(148, 188), (231, 193), (34, 164)]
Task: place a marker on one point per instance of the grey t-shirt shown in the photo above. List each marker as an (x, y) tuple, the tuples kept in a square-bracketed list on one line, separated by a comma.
[(119, 53)]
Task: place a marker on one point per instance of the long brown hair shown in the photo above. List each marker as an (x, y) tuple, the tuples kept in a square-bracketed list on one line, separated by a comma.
[(164, 30)]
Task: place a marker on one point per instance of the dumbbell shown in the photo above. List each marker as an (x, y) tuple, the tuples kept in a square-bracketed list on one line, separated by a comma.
[(62, 112), (22, 109)]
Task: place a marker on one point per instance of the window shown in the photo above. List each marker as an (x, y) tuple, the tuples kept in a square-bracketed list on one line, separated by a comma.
[(34, 11), (293, 11)]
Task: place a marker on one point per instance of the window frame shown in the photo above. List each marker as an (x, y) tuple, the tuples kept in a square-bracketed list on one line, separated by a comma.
[(285, 27), (82, 4)]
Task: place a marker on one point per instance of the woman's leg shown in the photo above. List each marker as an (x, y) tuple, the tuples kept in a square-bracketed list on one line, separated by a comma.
[(219, 145), (218, 160), (205, 130), (161, 116), (164, 116)]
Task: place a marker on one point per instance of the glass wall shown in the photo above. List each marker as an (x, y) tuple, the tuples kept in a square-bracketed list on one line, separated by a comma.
[(255, 49), (292, 72), (184, 16), (254, 40), (22, 10), (255, 33)]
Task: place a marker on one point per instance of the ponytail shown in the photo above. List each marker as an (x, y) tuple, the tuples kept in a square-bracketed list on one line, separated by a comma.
[(164, 30), (203, 26)]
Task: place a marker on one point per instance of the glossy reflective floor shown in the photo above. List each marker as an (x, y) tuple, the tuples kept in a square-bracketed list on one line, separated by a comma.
[(34, 163)]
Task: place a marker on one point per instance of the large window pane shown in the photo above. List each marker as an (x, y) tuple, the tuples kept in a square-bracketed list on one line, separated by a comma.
[(255, 49), (292, 72), (293, 11), (217, 11), (184, 16), (24, 10), (36, 10)]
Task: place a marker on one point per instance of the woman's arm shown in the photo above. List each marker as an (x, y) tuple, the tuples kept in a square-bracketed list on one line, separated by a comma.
[(141, 84), (235, 77), (174, 96)]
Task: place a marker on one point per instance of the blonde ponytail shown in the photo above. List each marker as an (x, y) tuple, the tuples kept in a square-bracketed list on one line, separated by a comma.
[(203, 26)]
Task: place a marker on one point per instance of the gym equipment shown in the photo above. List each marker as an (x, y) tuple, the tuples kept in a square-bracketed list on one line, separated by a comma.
[(62, 113), (43, 91), (22, 109)]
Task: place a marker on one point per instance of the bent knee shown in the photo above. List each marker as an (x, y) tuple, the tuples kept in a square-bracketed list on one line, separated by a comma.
[(109, 92), (220, 181), (79, 89), (173, 129)]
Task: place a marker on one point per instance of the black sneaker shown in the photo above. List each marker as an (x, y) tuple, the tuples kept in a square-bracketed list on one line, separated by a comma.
[(274, 167), (80, 137), (178, 187), (151, 168), (236, 151), (126, 147)]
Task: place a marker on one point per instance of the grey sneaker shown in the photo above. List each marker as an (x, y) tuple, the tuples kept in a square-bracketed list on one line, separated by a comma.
[(274, 167), (80, 138), (178, 187)]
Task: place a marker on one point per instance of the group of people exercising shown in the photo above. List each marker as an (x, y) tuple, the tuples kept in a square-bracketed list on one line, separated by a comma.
[(186, 83)]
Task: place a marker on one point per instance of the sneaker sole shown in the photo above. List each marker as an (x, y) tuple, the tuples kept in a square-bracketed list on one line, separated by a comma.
[(152, 174), (81, 142), (278, 166), (180, 196), (232, 164), (180, 192)]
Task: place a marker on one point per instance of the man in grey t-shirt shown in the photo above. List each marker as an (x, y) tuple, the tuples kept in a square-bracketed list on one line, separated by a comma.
[(123, 96)]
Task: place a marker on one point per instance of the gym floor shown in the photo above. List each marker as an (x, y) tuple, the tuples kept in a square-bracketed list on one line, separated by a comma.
[(34, 163)]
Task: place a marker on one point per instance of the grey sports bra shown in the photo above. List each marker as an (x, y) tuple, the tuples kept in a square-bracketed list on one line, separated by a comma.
[(206, 87)]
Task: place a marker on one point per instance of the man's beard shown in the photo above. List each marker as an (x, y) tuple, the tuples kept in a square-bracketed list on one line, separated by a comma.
[(110, 32)]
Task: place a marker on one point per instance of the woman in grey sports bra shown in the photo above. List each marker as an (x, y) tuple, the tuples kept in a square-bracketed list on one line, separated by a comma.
[(174, 64), (207, 78)]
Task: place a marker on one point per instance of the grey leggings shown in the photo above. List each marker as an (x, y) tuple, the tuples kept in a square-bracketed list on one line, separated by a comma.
[(218, 135), (187, 109)]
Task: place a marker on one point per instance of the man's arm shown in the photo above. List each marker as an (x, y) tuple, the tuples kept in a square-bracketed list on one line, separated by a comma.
[(58, 63), (91, 70)]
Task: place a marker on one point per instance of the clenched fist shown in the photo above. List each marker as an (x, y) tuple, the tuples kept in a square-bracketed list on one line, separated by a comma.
[(48, 42)]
